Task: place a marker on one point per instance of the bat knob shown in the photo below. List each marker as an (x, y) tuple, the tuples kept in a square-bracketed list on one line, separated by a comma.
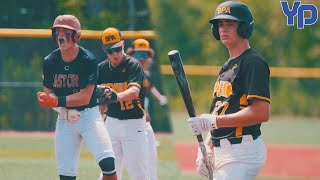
[(173, 52)]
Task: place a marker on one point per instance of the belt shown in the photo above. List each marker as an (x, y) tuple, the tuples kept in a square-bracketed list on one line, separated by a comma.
[(234, 140)]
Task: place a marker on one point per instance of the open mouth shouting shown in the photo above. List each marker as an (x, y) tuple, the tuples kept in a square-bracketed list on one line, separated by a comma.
[(61, 41)]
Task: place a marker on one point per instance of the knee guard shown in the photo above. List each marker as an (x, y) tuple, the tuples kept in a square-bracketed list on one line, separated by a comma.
[(62, 177), (107, 166)]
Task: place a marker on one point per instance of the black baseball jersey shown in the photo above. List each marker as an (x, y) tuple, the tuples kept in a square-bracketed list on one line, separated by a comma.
[(240, 80), (128, 73), (68, 78)]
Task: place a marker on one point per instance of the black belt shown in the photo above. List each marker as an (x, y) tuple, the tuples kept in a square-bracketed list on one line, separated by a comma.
[(234, 140)]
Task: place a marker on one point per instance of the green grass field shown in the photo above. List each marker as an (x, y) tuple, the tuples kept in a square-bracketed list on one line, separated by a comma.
[(32, 157)]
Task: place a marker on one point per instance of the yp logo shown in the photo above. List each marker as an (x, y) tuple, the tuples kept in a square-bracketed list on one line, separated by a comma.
[(299, 10)]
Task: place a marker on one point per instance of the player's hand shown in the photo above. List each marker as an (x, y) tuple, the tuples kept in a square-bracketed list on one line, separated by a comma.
[(71, 115), (107, 95), (148, 118), (203, 123), (163, 100), (46, 100), (201, 166)]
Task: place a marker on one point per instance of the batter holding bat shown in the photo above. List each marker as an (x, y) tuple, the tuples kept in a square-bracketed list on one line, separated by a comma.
[(241, 101), (70, 75), (122, 77)]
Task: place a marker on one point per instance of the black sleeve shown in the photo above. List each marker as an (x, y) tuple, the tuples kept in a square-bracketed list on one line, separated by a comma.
[(136, 75), (47, 75), (90, 73), (256, 80)]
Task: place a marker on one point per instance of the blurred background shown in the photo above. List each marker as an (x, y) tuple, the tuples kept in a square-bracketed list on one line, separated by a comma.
[(181, 25)]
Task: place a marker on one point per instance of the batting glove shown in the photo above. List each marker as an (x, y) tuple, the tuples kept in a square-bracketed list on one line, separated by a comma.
[(203, 123), (47, 101), (163, 100), (202, 169)]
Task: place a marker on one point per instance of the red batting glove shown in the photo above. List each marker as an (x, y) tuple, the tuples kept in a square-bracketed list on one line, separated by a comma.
[(47, 101)]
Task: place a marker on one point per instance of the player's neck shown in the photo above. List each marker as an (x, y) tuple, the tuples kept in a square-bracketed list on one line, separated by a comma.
[(70, 54), (238, 48)]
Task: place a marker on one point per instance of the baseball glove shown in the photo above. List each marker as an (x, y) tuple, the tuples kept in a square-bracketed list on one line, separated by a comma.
[(106, 95)]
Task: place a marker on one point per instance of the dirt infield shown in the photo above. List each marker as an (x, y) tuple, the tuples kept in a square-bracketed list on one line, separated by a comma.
[(26, 133), (283, 161)]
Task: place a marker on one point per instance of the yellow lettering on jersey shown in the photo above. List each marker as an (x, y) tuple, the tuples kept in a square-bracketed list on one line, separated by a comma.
[(224, 10), (216, 92), (243, 100), (120, 87), (218, 106), (222, 89), (227, 89)]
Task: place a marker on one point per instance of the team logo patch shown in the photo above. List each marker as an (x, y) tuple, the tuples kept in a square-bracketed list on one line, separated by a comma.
[(110, 38), (235, 66), (224, 10), (142, 45)]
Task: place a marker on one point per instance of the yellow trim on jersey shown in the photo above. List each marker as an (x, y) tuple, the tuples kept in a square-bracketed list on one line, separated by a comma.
[(238, 131), (259, 97), (139, 105), (134, 84)]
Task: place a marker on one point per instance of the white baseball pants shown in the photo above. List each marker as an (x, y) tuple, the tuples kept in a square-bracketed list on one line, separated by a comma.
[(69, 136), (152, 151), (241, 161), (129, 142)]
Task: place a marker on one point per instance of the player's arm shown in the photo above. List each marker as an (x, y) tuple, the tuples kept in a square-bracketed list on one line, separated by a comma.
[(130, 94), (257, 112), (161, 98), (256, 86), (80, 98)]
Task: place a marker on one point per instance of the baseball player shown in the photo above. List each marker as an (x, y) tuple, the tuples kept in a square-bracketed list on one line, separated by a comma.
[(70, 75), (122, 76), (141, 50), (241, 100)]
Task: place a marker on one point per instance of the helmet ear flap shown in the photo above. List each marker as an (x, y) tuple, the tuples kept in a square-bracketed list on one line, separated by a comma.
[(53, 34), (215, 31), (245, 30), (75, 36)]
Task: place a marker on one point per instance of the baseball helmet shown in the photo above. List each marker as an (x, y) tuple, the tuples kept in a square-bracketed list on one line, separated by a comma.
[(234, 11), (69, 22), (111, 37)]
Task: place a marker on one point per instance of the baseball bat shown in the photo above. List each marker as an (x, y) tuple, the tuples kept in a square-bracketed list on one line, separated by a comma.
[(177, 67)]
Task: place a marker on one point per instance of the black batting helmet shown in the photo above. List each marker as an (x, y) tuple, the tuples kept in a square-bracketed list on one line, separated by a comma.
[(234, 11)]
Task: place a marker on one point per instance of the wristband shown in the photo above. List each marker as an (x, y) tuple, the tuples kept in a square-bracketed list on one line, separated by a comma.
[(62, 101)]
